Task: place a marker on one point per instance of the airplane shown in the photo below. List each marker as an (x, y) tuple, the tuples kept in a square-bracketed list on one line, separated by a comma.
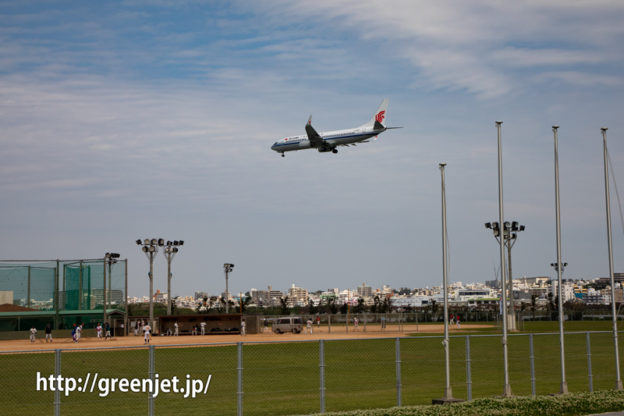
[(329, 140)]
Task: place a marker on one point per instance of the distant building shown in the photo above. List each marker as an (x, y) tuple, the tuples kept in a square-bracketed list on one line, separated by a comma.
[(275, 296), (297, 296), (365, 291), (201, 295), (6, 297), (260, 297)]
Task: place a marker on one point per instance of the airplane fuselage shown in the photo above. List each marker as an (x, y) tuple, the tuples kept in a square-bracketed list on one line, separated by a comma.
[(328, 141), (331, 139)]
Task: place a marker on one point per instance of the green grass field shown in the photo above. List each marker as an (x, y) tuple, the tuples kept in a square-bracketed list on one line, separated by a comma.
[(284, 378)]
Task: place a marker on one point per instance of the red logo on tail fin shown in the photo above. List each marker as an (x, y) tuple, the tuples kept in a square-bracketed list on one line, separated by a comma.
[(380, 116)]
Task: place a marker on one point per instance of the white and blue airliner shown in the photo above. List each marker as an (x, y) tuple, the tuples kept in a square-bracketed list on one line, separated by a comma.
[(328, 141)]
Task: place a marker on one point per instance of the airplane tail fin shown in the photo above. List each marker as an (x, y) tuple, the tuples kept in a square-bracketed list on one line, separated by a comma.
[(378, 121)]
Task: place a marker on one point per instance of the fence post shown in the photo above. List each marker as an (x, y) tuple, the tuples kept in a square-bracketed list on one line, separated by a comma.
[(322, 373), (532, 360), (152, 372), (589, 364), (468, 370), (329, 323), (239, 393), (57, 373), (397, 348)]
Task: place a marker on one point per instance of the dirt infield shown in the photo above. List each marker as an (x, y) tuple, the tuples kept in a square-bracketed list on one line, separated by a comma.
[(337, 332)]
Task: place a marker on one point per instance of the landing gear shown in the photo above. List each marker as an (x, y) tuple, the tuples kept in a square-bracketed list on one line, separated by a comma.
[(282, 154), (334, 151)]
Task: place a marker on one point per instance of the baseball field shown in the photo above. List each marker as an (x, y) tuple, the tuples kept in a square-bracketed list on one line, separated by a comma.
[(281, 374)]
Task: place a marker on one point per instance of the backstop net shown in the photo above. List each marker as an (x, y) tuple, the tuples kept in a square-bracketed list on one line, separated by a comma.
[(65, 288)]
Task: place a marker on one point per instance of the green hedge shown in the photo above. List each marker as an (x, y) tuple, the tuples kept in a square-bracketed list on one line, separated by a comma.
[(560, 405)]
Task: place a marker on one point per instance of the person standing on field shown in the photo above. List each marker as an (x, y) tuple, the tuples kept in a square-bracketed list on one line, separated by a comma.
[(146, 333), (98, 330), (33, 334), (108, 334), (175, 329), (48, 332), (203, 328), (78, 332), (309, 326)]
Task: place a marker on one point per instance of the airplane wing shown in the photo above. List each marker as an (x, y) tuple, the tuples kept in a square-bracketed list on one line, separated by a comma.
[(313, 136)]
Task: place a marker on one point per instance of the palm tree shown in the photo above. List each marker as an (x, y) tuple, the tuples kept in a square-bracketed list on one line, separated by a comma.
[(244, 302), (284, 305), (376, 305), (331, 305)]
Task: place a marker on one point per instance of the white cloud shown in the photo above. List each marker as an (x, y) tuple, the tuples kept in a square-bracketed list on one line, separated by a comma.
[(584, 79), (479, 45)]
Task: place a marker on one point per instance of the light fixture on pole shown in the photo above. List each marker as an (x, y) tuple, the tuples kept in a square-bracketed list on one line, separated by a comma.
[(227, 267), (150, 248), (109, 259), (618, 379), (170, 250), (510, 235)]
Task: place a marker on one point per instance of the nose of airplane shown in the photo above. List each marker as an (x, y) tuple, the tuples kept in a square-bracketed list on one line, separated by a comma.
[(274, 146)]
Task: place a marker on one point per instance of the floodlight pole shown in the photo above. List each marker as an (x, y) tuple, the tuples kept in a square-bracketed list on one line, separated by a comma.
[(448, 391), (618, 379), (106, 258), (150, 248), (501, 216), (227, 267), (508, 233), (109, 258), (151, 256), (170, 251), (564, 383)]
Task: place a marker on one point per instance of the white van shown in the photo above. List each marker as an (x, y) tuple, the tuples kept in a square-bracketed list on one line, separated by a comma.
[(292, 324)]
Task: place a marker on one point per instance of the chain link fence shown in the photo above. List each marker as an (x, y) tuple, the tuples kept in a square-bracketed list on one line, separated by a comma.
[(295, 377)]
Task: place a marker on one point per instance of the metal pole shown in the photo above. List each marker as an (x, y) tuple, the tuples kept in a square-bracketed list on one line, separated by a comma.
[(151, 289), (322, 373), (152, 372), (468, 369), (80, 286), (512, 307), (106, 259), (397, 348), (28, 295), (618, 379), (126, 297), (532, 360), (168, 256), (564, 383), (57, 373), (589, 363), (227, 293), (239, 393), (448, 391), (56, 296), (110, 282), (501, 217)]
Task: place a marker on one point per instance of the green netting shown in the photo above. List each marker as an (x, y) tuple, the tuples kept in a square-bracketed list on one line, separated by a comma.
[(80, 284), (31, 286)]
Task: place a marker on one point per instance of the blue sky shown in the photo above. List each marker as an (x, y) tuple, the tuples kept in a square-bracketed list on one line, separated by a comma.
[(134, 119)]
